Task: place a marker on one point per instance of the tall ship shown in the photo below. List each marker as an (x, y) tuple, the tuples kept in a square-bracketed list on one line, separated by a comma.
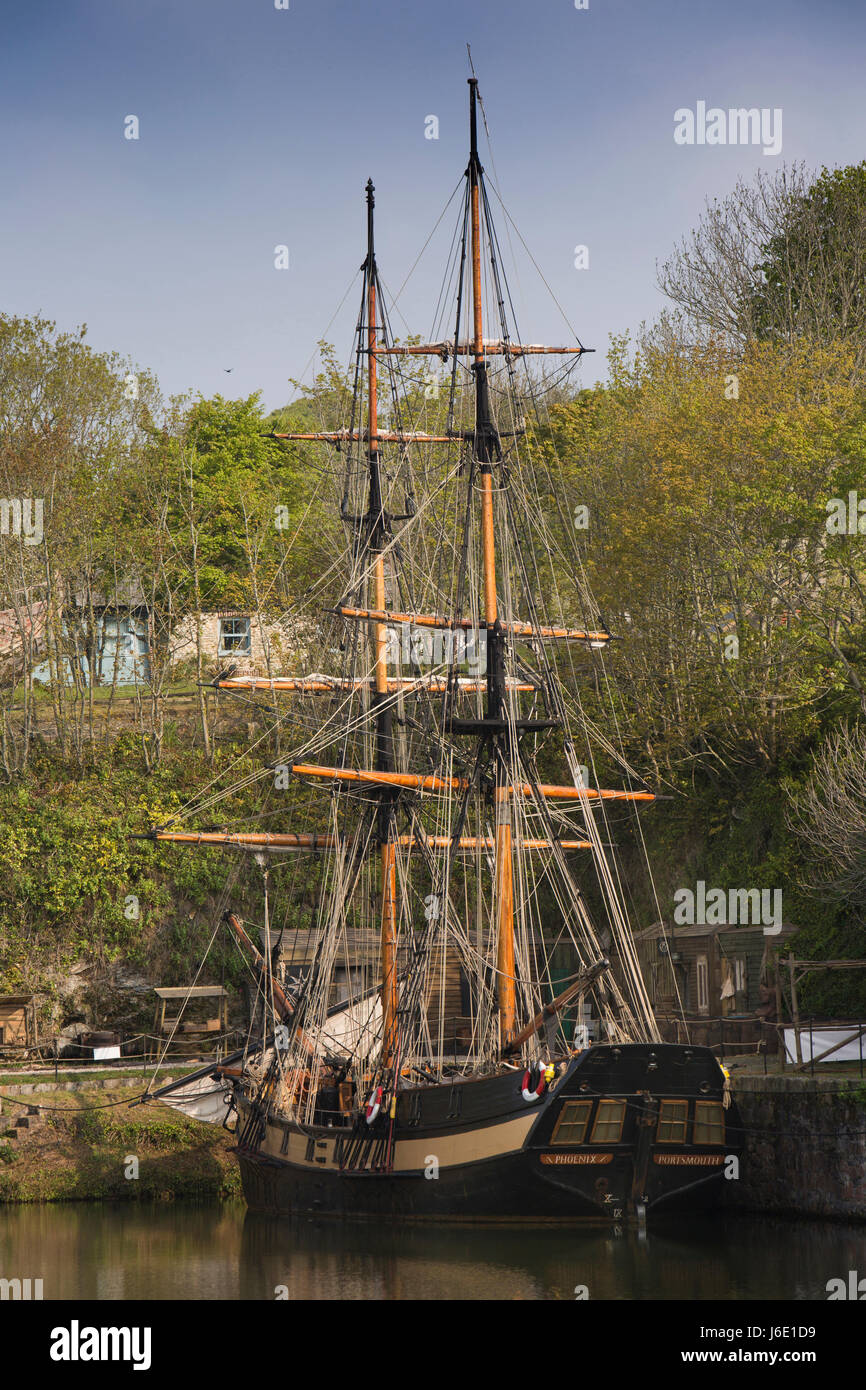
[(460, 1030)]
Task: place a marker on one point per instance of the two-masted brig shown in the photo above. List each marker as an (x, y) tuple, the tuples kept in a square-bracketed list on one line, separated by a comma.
[(448, 1037)]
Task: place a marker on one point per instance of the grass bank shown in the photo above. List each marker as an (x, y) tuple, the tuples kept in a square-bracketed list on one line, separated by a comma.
[(86, 1150)]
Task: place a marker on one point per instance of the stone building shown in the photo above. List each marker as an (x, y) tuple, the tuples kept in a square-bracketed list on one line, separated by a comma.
[(251, 643)]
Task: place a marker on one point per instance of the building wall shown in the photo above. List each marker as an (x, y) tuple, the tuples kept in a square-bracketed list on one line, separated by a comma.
[(746, 943), (264, 641), (445, 994), (22, 636), (122, 646), (751, 944), (658, 972)]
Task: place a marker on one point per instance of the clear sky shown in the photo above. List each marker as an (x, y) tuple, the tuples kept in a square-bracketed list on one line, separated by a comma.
[(260, 127)]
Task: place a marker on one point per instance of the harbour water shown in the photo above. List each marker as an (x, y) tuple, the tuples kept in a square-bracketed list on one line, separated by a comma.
[(184, 1251)]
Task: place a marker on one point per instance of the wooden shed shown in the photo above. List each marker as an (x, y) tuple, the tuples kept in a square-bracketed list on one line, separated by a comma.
[(356, 958), (449, 998), (292, 951), (17, 1020), (720, 974)]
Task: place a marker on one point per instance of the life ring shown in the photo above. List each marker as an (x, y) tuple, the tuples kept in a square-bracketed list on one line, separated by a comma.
[(528, 1095), (374, 1105)]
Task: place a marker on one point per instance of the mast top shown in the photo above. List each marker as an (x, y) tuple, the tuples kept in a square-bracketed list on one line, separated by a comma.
[(371, 203), (473, 121)]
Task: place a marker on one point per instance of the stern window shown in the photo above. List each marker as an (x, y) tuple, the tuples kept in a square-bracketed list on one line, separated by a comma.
[(572, 1124), (709, 1122), (673, 1121), (608, 1122)]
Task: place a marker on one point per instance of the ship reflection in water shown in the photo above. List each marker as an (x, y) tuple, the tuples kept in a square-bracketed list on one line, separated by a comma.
[(201, 1252)]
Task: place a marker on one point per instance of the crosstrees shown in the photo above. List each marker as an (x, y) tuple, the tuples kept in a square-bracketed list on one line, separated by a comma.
[(413, 781), (291, 840), (597, 638)]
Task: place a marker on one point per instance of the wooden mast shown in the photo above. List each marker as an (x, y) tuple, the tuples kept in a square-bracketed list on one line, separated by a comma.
[(377, 532), (487, 450)]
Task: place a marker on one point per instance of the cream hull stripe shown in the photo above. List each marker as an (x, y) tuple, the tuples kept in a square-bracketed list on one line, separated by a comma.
[(449, 1150)]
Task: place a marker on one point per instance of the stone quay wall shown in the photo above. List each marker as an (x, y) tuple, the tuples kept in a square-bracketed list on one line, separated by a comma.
[(804, 1152)]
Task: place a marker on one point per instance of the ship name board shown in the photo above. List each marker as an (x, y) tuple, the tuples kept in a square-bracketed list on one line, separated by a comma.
[(699, 1160), (576, 1158)]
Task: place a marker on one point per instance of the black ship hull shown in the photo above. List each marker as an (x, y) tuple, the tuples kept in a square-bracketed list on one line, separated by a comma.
[(621, 1133)]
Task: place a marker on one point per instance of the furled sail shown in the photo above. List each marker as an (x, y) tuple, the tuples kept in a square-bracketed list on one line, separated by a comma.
[(203, 1099)]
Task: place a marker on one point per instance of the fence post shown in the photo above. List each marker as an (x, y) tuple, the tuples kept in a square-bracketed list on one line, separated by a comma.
[(811, 1048), (795, 1010)]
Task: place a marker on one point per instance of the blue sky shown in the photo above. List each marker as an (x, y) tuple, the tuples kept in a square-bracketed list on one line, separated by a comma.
[(260, 127)]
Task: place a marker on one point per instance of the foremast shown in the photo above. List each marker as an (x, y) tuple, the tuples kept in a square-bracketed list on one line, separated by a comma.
[(487, 450), (376, 525)]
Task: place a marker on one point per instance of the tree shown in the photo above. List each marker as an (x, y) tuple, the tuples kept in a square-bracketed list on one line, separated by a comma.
[(69, 423), (782, 258), (828, 814), (708, 549), (814, 267)]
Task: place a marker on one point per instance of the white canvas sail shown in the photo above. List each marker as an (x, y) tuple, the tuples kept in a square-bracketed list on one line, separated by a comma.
[(204, 1099), (344, 1032)]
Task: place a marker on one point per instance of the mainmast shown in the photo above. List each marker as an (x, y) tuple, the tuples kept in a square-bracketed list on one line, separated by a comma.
[(487, 450), (376, 522)]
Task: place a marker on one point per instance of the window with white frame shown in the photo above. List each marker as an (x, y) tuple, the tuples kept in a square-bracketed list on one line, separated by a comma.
[(703, 983), (234, 637)]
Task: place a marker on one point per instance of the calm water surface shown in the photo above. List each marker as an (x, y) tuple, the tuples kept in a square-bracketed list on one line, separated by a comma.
[(183, 1251)]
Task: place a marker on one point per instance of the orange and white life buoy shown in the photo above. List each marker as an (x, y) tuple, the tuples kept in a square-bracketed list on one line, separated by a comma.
[(374, 1105), (530, 1095)]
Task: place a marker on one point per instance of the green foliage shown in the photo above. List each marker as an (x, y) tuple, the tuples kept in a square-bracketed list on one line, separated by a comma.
[(707, 481), (707, 511), (813, 271), (68, 864), (234, 500)]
